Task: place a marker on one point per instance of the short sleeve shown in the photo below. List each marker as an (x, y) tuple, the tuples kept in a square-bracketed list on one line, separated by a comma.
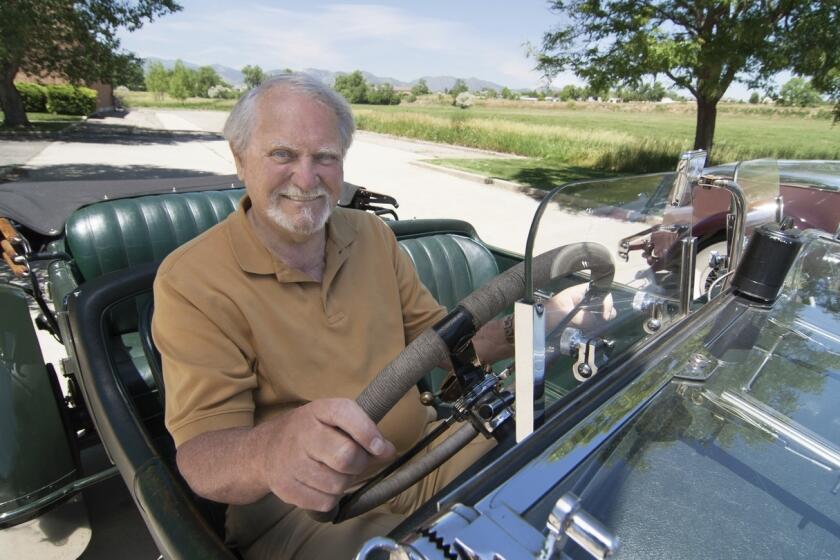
[(208, 375)]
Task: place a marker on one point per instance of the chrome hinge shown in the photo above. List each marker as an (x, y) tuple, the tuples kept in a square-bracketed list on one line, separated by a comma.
[(566, 521)]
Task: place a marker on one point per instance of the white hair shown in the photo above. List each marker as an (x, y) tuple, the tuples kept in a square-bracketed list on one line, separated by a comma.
[(240, 123)]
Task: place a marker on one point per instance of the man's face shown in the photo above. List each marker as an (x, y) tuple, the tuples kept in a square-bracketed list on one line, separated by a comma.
[(292, 167)]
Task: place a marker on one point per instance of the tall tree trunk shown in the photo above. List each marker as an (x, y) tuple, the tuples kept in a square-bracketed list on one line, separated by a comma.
[(704, 134), (10, 101)]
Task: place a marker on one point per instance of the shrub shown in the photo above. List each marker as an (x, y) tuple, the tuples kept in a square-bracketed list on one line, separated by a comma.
[(34, 97), (221, 92), (70, 100), (464, 100)]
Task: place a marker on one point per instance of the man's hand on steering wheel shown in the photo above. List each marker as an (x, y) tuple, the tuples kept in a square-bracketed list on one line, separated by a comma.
[(315, 453)]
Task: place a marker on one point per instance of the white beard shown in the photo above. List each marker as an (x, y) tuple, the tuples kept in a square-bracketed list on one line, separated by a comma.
[(308, 220)]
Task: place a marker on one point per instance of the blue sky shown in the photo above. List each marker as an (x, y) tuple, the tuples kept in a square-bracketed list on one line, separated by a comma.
[(403, 40)]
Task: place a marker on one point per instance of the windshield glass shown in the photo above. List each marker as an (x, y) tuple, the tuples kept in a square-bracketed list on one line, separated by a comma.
[(640, 240), (737, 452)]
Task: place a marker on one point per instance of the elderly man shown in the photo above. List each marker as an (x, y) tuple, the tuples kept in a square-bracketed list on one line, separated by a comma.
[(270, 323)]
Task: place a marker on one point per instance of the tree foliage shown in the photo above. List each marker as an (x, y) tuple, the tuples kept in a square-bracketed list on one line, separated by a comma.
[(75, 40), (382, 94), (703, 46), (157, 79), (130, 74), (352, 86), (181, 82), (458, 88), (253, 76), (798, 92), (204, 78), (355, 89), (420, 88)]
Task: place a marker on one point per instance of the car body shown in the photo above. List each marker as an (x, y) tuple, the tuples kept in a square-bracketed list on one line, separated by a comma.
[(686, 427)]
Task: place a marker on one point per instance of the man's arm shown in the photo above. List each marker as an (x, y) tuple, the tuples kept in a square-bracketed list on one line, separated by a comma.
[(307, 457)]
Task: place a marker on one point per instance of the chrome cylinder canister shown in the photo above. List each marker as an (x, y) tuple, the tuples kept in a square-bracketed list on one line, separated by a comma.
[(36, 459)]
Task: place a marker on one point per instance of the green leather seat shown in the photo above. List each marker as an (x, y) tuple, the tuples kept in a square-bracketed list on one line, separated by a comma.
[(117, 234)]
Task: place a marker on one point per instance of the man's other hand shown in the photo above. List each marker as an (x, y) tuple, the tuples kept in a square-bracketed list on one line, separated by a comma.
[(559, 306), (314, 453)]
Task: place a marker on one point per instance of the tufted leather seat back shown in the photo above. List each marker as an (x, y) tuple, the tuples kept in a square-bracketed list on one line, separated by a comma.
[(118, 234), (450, 266)]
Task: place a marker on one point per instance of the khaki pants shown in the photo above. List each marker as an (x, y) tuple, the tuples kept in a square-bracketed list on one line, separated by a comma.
[(269, 528)]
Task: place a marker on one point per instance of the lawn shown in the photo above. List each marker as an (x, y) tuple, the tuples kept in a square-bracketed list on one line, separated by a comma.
[(44, 122), (578, 140), (148, 99)]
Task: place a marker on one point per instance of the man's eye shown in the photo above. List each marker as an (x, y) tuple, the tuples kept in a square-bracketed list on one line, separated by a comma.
[(281, 154)]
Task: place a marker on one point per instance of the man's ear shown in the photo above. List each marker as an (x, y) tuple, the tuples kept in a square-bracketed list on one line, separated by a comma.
[(240, 167)]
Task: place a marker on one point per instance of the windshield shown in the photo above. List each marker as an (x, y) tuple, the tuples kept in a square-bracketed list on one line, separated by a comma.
[(641, 240), (737, 452)]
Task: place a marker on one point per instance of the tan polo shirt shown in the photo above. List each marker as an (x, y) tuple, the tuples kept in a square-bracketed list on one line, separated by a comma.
[(243, 336)]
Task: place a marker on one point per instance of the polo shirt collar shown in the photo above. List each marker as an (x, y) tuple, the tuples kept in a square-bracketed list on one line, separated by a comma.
[(255, 258)]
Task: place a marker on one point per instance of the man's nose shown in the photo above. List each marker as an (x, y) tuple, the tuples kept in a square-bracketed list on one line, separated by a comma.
[(306, 174)]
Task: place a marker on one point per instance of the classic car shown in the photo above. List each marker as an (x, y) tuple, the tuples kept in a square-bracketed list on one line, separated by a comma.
[(685, 427)]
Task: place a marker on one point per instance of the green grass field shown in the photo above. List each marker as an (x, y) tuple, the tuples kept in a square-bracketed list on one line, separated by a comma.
[(582, 140)]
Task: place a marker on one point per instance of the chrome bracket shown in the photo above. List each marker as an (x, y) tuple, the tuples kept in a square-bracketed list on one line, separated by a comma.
[(584, 368), (687, 262), (529, 325), (568, 520)]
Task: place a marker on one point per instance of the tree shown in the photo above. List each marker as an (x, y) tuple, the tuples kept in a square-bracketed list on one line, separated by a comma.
[(755, 98), (813, 51), (352, 86), (203, 79), (420, 88), (459, 87), (701, 45), (383, 94), (507, 94), (180, 81), (129, 73), (571, 92), (799, 92), (157, 79), (74, 40), (253, 76), (465, 99)]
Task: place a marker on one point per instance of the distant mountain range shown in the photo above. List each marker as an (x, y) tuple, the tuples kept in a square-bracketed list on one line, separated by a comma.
[(435, 83)]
